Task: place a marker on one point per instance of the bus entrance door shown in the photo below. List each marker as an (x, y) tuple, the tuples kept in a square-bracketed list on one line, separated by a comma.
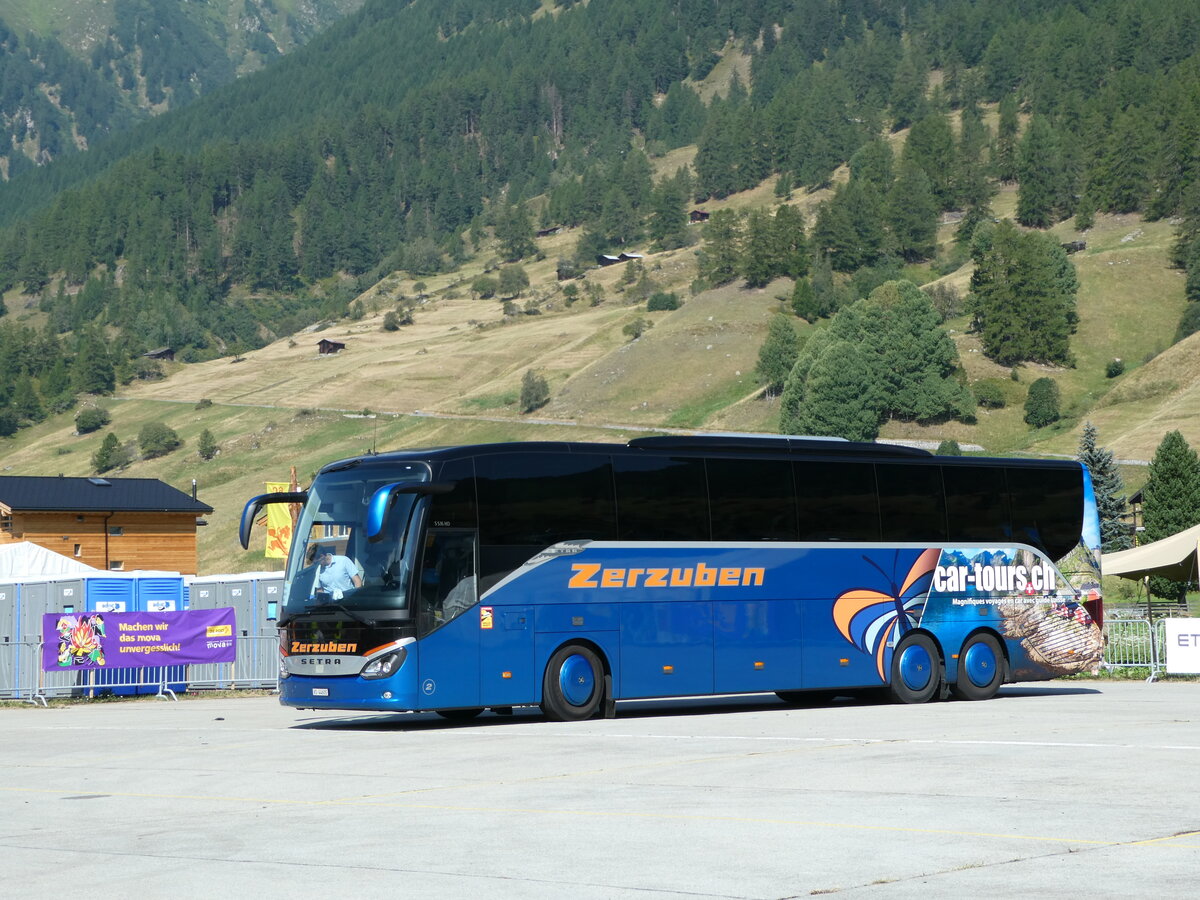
[(448, 662)]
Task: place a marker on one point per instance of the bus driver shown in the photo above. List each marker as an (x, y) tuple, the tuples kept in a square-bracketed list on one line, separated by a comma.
[(335, 574)]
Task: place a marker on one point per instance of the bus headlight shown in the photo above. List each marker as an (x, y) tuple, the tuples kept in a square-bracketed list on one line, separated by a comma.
[(283, 670), (384, 666)]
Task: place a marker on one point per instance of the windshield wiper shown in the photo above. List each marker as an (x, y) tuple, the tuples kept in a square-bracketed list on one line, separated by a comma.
[(330, 607)]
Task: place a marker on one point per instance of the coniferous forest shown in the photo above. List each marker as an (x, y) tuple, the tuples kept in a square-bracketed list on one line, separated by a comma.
[(394, 138)]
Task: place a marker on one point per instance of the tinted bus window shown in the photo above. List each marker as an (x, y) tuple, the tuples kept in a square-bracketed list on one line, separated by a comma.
[(1047, 508), (538, 499), (752, 500), (977, 503), (661, 498), (837, 501), (912, 504), (457, 508)]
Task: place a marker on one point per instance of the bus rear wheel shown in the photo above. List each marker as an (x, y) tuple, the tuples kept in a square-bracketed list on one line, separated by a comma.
[(915, 670), (573, 687), (980, 669)]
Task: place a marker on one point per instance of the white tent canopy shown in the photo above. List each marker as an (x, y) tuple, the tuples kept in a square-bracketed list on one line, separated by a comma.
[(1173, 557), (23, 559)]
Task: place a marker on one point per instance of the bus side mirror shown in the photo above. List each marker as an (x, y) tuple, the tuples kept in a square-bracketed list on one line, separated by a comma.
[(250, 511), (381, 501)]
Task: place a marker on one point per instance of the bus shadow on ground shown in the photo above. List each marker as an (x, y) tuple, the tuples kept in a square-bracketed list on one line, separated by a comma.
[(674, 707)]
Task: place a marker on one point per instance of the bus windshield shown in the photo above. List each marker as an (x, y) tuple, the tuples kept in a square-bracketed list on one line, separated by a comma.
[(332, 566)]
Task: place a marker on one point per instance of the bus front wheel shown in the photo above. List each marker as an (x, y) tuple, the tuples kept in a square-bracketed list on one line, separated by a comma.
[(980, 669), (916, 673), (573, 687)]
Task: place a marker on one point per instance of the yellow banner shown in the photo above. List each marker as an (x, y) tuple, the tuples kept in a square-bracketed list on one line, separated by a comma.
[(279, 523)]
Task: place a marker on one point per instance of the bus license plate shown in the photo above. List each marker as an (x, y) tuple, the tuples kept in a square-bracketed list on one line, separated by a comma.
[(320, 692)]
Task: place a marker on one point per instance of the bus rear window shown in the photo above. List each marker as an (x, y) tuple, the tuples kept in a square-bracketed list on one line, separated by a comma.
[(1047, 508)]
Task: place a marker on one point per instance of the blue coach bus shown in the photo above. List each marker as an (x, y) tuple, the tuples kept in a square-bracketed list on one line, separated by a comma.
[(573, 575)]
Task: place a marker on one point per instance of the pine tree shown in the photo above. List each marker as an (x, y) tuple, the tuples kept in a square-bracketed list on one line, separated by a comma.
[(838, 397), (777, 354), (207, 446), (1040, 169), (1171, 501), (1022, 297), (1109, 488), (514, 232), (912, 214), (757, 265), (110, 455)]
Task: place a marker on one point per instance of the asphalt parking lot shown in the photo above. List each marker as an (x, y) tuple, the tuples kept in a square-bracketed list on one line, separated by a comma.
[(1049, 790)]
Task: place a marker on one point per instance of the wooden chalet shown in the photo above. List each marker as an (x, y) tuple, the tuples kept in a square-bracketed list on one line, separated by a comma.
[(118, 524), (696, 216), (167, 353), (326, 347)]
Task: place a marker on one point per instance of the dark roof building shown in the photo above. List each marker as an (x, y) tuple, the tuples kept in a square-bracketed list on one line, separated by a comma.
[(44, 493), (326, 346), (117, 524)]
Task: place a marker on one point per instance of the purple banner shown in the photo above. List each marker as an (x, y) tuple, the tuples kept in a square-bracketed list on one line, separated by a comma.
[(100, 640)]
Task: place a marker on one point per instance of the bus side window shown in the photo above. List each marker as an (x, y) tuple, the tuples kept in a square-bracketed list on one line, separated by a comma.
[(837, 501), (661, 498), (912, 504), (977, 504), (752, 500)]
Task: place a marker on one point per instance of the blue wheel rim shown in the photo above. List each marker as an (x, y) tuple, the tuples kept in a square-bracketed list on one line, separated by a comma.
[(979, 662), (576, 680), (916, 668)]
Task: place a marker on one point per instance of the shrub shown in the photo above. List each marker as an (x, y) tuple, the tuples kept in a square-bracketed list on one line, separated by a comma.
[(157, 439), (1114, 368), (391, 322), (93, 418), (988, 394), (1041, 406), (949, 448), (535, 392), (660, 301)]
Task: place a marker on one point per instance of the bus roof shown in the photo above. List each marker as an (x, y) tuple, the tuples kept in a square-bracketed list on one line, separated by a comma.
[(796, 447)]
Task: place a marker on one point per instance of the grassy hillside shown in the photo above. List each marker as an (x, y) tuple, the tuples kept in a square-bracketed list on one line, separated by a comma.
[(454, 375)]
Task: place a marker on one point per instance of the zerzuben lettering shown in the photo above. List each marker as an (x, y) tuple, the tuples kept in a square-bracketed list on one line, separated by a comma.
[(595, 575), (299, 647)]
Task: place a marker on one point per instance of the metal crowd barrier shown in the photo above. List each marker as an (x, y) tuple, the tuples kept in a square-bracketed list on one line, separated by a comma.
[(22, 678), (257, 666), (1133, 644), (162, 681)]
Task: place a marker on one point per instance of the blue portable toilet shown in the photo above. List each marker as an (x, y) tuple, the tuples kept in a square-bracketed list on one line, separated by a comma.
[(161, 592), (115, 593)]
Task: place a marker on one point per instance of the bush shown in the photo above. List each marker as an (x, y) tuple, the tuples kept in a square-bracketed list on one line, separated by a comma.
[(1041, 406), (391, 322), (93, 418), (636, 328), (535, 392), (988, 394), (157, 439), (1114, 368), (660, 301), (949, 448)]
